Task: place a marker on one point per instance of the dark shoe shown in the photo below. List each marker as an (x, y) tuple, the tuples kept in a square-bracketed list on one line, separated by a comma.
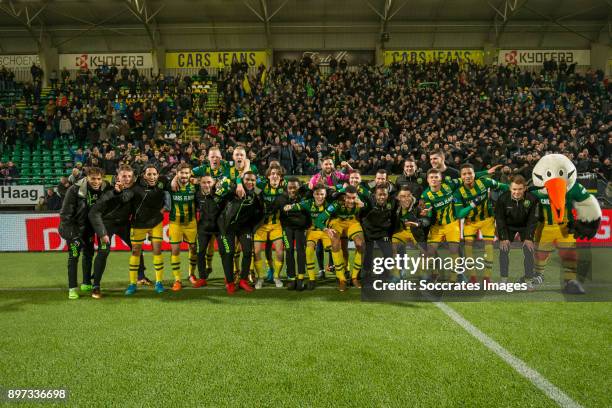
[(95, 293), (145, 282), (573, 287), (311, 285), (291, 285), (299, 285)]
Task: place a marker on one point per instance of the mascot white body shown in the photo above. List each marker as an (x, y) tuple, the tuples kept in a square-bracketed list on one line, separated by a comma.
[(554, 176)]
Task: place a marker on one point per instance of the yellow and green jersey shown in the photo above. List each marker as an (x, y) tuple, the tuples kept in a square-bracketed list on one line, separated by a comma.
[(480, 190), (270, 195), (183, 205), (232, 173), (312, 209), (406, 214), (576, 193), (336, 210), (442, 202), (205, 169), (362, 192)]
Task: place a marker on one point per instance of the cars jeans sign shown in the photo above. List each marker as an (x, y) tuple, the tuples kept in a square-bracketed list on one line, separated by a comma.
[(424, 56), (214, 59)]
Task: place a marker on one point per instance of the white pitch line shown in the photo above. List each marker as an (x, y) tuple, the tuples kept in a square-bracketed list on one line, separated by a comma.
[(548, 388)]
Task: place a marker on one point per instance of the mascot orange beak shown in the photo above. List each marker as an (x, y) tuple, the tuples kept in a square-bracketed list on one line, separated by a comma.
[(557, 188)]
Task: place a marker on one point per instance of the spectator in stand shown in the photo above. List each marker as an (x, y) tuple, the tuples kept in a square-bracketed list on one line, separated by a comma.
[(65, 74), (62, 187), (65, 126), (53, 79), (53, 201), (10, 173), (49, 136), (76, 174), (78, 156)]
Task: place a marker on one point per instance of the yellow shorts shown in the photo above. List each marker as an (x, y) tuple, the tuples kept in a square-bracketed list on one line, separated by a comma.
[(549, 236), (316, 235), (156, 234), (403, 237), (346, 228), (449, 232), (486, 228), (268, 232), (187, 232)]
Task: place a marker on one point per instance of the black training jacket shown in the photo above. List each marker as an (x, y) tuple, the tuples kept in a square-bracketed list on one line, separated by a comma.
[(73, 215), (112, 208), (516, 214)]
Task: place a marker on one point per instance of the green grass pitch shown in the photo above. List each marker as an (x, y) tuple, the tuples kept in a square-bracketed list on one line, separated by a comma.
[(273, 347)]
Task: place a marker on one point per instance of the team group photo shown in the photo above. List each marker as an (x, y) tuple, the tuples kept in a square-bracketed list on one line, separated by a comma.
[(378, 203)]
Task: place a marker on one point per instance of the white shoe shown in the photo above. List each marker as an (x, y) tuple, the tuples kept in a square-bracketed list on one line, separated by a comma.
[(259, 283), (278, 282)]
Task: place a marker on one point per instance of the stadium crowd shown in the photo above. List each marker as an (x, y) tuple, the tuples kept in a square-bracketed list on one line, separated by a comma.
[(422, 122), (371, 117)]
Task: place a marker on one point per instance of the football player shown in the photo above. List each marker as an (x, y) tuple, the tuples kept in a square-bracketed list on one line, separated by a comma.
[(269, 231), (149, 193), (183, 226), (480, 217), (340, 220), (76, 229)]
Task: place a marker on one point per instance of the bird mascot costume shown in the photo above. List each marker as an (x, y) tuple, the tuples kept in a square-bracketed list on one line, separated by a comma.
[(554, 181)]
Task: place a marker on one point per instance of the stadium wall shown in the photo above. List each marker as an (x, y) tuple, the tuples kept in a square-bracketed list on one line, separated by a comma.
[(38, 232)]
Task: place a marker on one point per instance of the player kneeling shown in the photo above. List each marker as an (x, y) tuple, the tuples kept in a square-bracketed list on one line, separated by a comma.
[(340, 220)]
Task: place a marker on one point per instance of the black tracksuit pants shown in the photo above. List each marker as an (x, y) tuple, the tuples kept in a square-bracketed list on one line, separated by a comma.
[(295, 244), (123, 232), (228, 249), (504, 256)]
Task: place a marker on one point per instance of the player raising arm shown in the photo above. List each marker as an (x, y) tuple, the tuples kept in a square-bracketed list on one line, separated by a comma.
[(477, 215)]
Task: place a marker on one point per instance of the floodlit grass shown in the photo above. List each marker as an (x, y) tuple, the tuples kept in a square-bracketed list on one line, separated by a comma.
[(273, 347)]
